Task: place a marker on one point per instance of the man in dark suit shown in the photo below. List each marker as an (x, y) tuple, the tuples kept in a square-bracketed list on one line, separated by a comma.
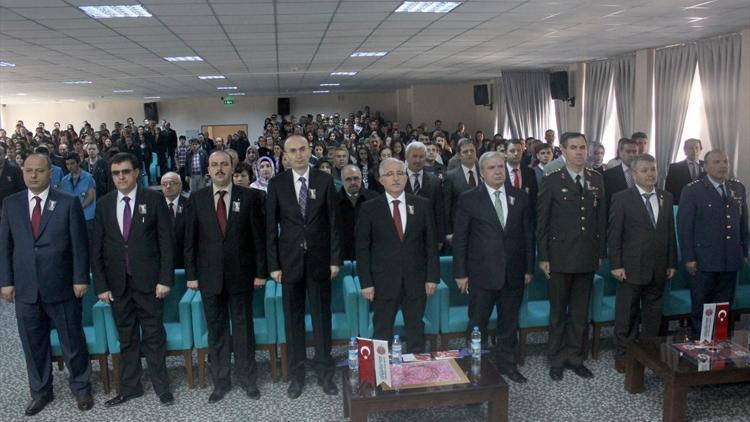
[(642, 255), (426, 185), (171, 187), (619, 178), (458, 180), (304, 254), (518, 175), (571, 231), (397, 256), (350, 199), (11, 180), (44, 268), (133, 265), (685, 171), (224, 249), (713, 229), (493, 257)]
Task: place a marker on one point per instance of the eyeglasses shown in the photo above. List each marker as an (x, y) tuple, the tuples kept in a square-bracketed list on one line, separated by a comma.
[(124, 172), (395, 174), (169, 184)]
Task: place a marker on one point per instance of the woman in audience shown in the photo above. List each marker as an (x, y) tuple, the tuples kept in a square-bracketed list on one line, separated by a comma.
[(264, 171), (596, 158), (397, 149), (278, 157), (366, 163), (19, 159), (242, 175)]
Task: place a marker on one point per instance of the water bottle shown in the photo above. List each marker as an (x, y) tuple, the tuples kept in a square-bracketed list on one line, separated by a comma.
[(476, 343), (353, 354), (396, 350)]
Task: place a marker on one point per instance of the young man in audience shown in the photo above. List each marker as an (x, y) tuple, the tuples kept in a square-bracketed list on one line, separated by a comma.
[(620, 177), (543, 154), (432, 165), (459, 180), (196, 166), (517, 175), (688, 170)]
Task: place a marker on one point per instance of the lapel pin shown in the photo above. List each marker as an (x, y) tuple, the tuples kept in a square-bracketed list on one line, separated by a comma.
[(179, 209), (236, 206), (564, 190), (512, 200), (411, 209), (312, 193), (51, 205), (9, 179), (142, 209)]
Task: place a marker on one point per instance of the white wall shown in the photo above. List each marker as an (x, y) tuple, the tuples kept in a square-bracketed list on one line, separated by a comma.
[(451, 103)]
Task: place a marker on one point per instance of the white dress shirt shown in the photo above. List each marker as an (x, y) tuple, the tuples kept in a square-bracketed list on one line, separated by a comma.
[(511, 175), (473, 171), (573, 177), (654, 201), (227, 196), (121, 205), (401, 208), (32, 203), (298, 184), (175, 203), (503, 200), (411, 175)]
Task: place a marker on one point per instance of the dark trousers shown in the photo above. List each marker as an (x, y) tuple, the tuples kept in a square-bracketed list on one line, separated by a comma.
[(569, 295), (135, 313), (34, 325), (709, 287), (636, 303), (384, 316), (319, 296), (508, 302), (219, 309), (161, 157)]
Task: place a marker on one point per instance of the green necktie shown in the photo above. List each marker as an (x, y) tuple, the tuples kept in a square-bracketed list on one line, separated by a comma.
[(499, 208)]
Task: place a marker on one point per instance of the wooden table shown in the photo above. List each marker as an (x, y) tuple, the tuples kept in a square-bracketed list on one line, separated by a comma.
[(488, 387), (678, 373)]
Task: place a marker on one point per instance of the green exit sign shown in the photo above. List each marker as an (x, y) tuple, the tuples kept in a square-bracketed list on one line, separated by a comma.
[(228, 101)]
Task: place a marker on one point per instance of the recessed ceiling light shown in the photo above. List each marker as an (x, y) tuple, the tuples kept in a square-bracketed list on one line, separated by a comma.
[(122, 91), (427, 6), (226, 87), (325, 91), (151, 98), (695, 19), (21, 94), (343, 73), (107, 12), (699, 5), (184, 59), (7, 64), (237, 94), (77, 82), (68, 100), (369, 53), (330, 84), (204, 77)]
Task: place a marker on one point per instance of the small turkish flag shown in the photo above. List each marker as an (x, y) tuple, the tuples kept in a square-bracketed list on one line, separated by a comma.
[(366, 361), (721, 327)]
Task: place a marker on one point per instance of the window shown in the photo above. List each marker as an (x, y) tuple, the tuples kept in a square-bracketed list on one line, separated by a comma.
[(611, 129), (696, 125)]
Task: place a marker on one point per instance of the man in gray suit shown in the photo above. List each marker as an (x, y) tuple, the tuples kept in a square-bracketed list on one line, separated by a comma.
[(460, 179)]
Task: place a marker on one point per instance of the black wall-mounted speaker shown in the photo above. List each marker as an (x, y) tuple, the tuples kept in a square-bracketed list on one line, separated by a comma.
[(284, 106), (558, 85)]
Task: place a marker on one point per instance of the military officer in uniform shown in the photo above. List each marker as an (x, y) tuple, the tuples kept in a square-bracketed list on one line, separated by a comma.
[(713, 230), (571, 231)]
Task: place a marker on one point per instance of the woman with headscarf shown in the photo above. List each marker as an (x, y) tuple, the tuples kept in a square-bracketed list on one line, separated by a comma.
[(265, 169), (251, 155)]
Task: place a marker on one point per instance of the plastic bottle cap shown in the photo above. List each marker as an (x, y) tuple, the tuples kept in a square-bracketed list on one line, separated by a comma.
[(476, 328), (352, 339), (396, 337)]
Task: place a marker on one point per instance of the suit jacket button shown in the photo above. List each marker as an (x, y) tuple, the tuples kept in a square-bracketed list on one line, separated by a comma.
[(583, 229), (583, 208), (583, 218), (729, 227), (729, 237)]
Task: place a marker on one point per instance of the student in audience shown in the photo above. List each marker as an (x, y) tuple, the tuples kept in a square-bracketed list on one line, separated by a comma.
[(366, 164), (432, 165), (80, 184), (596, 158), (397, 149), (196, 166), (350, 199), (98, 168), (543, 155), (57, 172), (517, 175), (619, 177), (459, 134), (242, 175), (688, 170), (264, 171), (11, 178), (643, 143), (180, 155)]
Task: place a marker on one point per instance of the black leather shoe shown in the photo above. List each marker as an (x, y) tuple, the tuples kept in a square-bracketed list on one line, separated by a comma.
[(513, 374), (118, 400), (620, 365), (85, 402), (252, 391), (37, 405), (295, 389), (556, 373), (167, 399), (582, 371), (217, 395), (328, 386)]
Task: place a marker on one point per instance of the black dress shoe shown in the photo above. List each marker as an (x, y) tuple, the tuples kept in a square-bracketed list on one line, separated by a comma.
[(556, 373), (513, 374), (295, 389), (118, 400), (581, 371), (217, 395), (167, 399), (85, 402), (328, 386), (37, 405), (620, 365), (252, 391)]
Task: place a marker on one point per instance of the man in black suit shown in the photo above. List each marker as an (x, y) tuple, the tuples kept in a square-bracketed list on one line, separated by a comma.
[(493, 256), (458, 180), (304, 254), (44, 269), (11, 180), (426, 185), (619, 178), (517, 175), (171, 187), (397, 256), (224, 249), (350, 199), (133, 264), (642, 254), (685, 171)]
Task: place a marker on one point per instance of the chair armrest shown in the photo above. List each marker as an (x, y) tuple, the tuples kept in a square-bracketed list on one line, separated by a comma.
[(597, 295), (363, 308), (186, 318), (432, 310), (280, 329), (198, 318), (269, 307), (351, 307), (444, 297), (97, 317), (113, 341)]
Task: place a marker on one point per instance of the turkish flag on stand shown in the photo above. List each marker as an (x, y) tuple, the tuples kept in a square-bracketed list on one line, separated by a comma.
[(721, 327), (366, 361)]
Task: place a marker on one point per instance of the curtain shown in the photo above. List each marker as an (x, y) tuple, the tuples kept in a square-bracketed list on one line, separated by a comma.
[(624, 87), (527, 101), (597, 109), (719, 67), (674, 71), (561, 114)]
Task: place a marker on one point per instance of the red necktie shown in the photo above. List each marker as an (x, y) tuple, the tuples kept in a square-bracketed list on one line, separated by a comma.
[(221, 212), (472, 180), (397, 219), (36, 217), (516, 179)]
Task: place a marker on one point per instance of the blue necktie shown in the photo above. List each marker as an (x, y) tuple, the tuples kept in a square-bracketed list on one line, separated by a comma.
[(302, 200), (649, 208)]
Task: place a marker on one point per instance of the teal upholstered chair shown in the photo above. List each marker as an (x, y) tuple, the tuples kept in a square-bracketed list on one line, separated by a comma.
[(96, 338), (676, 299), (741, 303), (177, 324), (264, 325), (454, 306), (343, 318), (154, 171), (533, 316), (602, 305)]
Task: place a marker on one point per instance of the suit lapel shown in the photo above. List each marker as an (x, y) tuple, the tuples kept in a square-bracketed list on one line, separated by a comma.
[(47, 210), (235, 199), (388, 217), (136, 222), (23, 209), (489, 206), (293, 193), (660, 196), (638, 199)]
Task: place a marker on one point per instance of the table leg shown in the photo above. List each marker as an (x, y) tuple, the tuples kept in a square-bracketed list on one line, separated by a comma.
[(634, 375), (497, 409), (358, 415), (675, 401)]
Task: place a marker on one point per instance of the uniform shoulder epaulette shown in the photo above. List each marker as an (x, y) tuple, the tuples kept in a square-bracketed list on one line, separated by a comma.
[(555, 171), (694, 182)]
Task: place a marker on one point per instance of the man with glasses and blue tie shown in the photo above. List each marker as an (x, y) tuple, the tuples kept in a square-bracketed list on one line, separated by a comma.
[(713, 230), (642, 254)]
